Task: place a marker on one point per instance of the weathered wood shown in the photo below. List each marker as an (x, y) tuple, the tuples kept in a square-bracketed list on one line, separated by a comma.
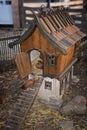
[(62, 74), (36, 39), (9, 38), (45, 25), (55, 31), (25, 45), (23, 64), (20, 109), (65, 60)]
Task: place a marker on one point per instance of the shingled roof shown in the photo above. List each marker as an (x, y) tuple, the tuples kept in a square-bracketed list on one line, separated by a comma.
[(56, 26)]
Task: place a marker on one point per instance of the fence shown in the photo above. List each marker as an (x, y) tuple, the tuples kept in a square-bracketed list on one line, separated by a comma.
[(7, 55)]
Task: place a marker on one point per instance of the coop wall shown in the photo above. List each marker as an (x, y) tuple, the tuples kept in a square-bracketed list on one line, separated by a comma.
[(37, 41), (52, 88)]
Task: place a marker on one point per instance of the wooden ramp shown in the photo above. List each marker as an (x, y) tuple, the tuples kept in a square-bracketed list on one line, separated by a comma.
[(21, 107)]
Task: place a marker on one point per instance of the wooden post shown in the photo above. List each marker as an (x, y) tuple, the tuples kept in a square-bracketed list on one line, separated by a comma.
[(48, 3)]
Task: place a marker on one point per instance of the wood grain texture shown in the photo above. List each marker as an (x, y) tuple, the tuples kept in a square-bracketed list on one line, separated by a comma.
[(23, 64), (39, 42), (65, 60)]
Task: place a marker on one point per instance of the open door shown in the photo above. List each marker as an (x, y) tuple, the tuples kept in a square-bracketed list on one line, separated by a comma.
[(23, 64), (36, 60)]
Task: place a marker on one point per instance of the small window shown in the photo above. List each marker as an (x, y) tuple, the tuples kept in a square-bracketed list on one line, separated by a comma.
[(8, 2), (48, 85), (51, 60)]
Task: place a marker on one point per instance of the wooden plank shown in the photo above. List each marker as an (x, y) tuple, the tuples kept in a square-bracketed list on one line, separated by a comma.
[(52, 70), (72, 63), (43, 43), (49, 24), (45, 25), (65, 60), (28, 11), (52, 22), (76, 5), (29, 18), (23, 64), (75, 13), (36, 39), (51, 49), (27, 45), (10, 38)]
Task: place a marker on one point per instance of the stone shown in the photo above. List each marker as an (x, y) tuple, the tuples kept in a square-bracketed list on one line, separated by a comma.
[(67, 109), (76, 106), (66, 125), (50, 87), (79, 104)]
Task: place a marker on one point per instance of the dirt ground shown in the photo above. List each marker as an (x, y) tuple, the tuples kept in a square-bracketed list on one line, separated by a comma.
[(41, 117)]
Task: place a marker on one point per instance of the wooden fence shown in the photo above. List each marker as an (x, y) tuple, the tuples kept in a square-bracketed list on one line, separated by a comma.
[(7, 55)]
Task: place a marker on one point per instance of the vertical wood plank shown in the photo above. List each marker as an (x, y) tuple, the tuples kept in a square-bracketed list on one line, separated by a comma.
[(23, 64)]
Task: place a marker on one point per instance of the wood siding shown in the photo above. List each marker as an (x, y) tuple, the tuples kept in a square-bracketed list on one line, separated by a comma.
[(23, 64), (37, 41), (65, 60)]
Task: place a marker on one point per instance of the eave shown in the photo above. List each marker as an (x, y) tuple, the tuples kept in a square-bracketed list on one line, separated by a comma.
[(24, 36)]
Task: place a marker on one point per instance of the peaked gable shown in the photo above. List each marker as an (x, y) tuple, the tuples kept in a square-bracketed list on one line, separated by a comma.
[(57, 27)]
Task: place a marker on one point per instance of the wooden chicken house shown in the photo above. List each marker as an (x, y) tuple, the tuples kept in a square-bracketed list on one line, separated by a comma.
[(49, 47)]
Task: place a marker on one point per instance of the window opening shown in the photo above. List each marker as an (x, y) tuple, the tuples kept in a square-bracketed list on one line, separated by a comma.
[(51, 59), (48, 85)]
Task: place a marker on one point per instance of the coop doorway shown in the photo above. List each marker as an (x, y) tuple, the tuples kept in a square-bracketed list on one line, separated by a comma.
[(36, 61)]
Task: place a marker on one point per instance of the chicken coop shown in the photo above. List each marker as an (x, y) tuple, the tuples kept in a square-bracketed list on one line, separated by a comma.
[(49, 48)]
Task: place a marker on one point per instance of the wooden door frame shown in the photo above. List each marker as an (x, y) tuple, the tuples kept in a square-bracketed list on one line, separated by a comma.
[(29, 51)]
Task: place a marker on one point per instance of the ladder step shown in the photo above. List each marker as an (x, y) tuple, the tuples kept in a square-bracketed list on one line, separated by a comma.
[(21, 107), (27, 94), (22, 101), (17, 114), (26, 98), (30, 90)]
